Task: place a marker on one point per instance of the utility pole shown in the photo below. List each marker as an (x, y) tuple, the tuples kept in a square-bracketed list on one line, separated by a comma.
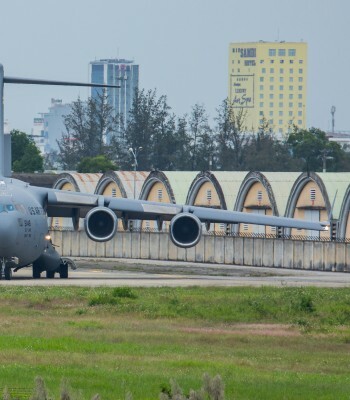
[(333, 112), (135, 153)]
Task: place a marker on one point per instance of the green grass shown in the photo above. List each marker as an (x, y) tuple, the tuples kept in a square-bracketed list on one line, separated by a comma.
[(266, 343)]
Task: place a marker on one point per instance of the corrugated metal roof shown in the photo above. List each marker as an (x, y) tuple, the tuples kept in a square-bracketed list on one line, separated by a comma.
[(127, 178), (281, 185), (335, 182), (230, 182), (86, 182), (180, 182)]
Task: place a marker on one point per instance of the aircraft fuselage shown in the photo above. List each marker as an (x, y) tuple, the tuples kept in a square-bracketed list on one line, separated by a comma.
[(23, 223)]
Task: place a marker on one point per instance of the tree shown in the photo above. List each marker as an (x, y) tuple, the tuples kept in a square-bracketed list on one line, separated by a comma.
[(26, 156), (96, 164), (312, 147), (264, 152), (231, 136), (90, 128), (200, 133)]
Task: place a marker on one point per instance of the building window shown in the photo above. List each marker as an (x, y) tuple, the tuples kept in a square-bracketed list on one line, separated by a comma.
[(261, 95), (280, 122), (291, 95), (291, 79), (300, 61), (280, 104), (208, 194), (280, 113), (281, 96), (261, 79), (271, 78), (291, 61), (114, 192), (281, 70), (280, 130), (281, 87), (272, 61), (282, 52), (291, 87), (271, 105), (261, 87), (300, 96), (300, 113), (300, 105), (261, 104), (271, 87), (291, 52), (300, 121), (300, 70), (300, 87), (312, 194), (281, 78), (282, 61), (300, 79), (291, 70), (263, 70), (271, 96), (290, 113), (271, 121), (261, 61), (160, 194), (272, 52), (290, 105), (261, 112), (260, 196), (272, 70)]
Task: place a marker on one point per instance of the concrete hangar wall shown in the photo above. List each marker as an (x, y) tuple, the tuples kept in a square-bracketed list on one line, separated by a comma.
[(304, 196)]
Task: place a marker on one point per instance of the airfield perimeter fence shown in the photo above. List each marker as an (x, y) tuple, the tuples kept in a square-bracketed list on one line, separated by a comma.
[(293, 252)]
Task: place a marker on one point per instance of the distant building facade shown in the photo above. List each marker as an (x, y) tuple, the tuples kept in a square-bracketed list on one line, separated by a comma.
[(49, 127), (116, 72), (268, 80)]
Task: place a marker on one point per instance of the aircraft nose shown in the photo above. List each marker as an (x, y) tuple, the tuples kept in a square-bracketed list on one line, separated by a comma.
[(8, 231)]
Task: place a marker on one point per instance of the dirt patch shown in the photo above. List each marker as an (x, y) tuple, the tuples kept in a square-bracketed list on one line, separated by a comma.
[(249, 329)]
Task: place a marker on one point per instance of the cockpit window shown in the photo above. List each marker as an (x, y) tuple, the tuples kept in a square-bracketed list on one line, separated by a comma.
[(6, 208)]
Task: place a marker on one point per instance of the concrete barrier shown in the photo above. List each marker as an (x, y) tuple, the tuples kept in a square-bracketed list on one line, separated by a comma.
[(264, 252)]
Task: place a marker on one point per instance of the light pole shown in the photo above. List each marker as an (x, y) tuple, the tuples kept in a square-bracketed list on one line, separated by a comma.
[(135, 153)]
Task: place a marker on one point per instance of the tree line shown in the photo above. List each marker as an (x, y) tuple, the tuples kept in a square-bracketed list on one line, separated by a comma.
[(97, 140)]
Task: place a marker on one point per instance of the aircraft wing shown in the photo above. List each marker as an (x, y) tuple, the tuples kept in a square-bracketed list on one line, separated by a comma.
[(66, 204)]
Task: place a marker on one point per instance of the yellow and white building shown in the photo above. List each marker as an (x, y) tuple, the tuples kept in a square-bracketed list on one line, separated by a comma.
[(268, 81)]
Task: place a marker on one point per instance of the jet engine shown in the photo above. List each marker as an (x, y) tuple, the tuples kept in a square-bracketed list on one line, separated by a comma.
[(100, 224), (185, 230)]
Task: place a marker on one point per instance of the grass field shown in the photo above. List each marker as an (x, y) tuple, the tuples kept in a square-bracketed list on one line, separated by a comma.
[(265, 343)]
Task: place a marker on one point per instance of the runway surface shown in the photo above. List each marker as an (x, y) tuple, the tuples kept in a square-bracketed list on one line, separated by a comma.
[(149, 273)]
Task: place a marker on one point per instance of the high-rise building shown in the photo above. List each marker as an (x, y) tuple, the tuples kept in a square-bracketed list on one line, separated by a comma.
[(268, 81), (116, 72)]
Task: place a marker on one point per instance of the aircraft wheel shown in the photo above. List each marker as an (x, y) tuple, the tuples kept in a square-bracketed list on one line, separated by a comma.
[(8, 273), (50, 274), (64, 270), (36, 271)]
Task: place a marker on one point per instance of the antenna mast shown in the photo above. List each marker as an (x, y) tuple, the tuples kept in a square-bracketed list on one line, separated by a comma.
[(333, 112)]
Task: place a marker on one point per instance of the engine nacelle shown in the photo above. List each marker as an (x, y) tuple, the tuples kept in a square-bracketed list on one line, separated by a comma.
[(185, 230), (100, 224)]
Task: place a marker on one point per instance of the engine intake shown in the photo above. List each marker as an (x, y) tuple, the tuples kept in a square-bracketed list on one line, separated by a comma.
[(185, 230), (100, 224)]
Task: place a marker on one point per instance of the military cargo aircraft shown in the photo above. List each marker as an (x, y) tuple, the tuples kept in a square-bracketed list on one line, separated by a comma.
[(24, 212)]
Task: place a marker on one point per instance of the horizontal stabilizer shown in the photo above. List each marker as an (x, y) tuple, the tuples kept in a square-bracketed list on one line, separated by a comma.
[(26, 81)]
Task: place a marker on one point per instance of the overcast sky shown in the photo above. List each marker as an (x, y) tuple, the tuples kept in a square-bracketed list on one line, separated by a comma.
[(180, 45)]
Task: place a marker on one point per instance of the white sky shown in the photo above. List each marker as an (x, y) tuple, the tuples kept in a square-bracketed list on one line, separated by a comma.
[(180, 45)]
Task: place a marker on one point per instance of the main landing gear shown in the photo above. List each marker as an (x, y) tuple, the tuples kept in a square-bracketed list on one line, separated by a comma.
[(62, 269), (6, 269)]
